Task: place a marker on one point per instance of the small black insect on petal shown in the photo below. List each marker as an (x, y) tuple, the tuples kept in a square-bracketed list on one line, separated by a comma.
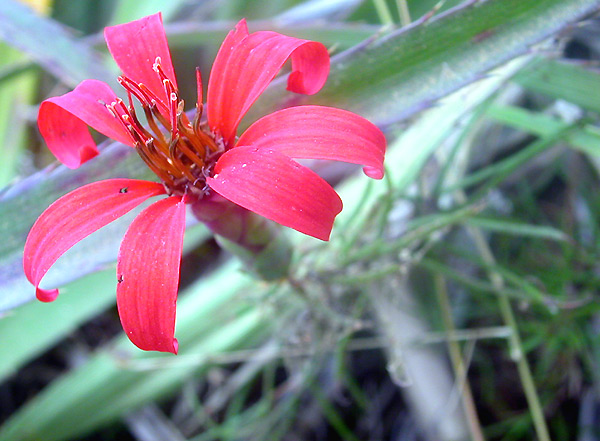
[(120, 278), (124, 190)]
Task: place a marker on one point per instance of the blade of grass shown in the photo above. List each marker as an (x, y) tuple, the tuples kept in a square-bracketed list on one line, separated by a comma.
[(392, 77), (49, 44), (500, 170), (517, 228), (37, 326), (325, 10), (516, 348), (16, 93), (403, 161), (342, 35), (78, 302), (458, 364), (585, 139), (128, 10), (76, 403), (562, 80)]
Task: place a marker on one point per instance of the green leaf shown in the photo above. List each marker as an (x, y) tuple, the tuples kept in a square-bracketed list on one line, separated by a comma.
[(49, 44), (128, 10), (498, 171), (585, 139), (517, 228), (16, 93), (567, 81), (392, 77), (403, 161), (210, 321), (337, 35), (310, 10), (37, 326)]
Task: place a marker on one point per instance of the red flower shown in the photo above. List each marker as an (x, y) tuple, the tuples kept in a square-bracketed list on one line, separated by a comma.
[(192, 159)]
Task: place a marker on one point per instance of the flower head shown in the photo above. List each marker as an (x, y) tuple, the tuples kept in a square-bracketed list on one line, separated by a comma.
[(193, 158)]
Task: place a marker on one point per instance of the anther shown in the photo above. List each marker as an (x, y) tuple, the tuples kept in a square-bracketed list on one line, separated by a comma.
[(157, 62), (173, 101), (159, 70)]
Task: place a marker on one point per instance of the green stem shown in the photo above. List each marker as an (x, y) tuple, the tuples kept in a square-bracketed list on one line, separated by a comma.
[(257, 241), (460, 370), (403, 12), (385, 16), (516, 347)]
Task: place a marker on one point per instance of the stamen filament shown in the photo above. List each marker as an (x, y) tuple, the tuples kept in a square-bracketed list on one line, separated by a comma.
[(133, 88), (172, 150), (179, 152), (190, 154), (165, 177), (140, 131), (152, 96), (173, 99), (159, 136), (160, 160)]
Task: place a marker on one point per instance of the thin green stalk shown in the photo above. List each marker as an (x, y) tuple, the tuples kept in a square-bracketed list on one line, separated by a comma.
[(385, 16), (403, 12), (331, 415), (516, 347), (498, 171), (460, 371)]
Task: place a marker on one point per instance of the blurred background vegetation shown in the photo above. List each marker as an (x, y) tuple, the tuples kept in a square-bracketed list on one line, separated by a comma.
[(457, 299)]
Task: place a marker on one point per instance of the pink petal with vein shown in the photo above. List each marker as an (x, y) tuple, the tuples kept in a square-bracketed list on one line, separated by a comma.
[(277, 187), (135, 46), (63, 122), (318, 132), (148, 275), (74, 217), (246, 64)]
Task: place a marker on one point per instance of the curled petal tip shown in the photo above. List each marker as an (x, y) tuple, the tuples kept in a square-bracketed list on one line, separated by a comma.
[(246, 64), (74, 217), (86, 153), (46, 295), (373, 172), (310, 68), (148, 273), (158, 345), (318, 132)]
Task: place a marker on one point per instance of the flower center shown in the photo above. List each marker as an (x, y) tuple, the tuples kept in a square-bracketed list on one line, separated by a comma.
[(183, 152)]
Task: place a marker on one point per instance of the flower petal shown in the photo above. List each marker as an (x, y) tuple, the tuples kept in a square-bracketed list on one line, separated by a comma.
[(148, 275), (63, 121), (277, 187), (135, 47), (74, 217), (318, 132), (246, 64)]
